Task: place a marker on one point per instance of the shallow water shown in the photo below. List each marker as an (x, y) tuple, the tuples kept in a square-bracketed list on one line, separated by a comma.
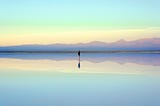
[(101, 79)]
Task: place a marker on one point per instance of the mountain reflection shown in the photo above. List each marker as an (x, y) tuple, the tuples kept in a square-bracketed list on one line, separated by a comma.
[(141, 59)]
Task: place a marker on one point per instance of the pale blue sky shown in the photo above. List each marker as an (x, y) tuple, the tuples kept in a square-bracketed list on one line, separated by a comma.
[(109, 13), (74, 21)]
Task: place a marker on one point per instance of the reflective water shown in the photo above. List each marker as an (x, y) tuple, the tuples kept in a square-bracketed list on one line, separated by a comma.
[(91, 80)]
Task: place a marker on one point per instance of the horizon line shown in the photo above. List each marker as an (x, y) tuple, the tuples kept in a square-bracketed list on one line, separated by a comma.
[(86, 51)]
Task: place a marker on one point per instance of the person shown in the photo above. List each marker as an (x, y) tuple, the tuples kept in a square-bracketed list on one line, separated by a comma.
[(79, 53)]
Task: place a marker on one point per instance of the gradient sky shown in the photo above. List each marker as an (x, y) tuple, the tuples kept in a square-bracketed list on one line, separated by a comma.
[(74, 21)]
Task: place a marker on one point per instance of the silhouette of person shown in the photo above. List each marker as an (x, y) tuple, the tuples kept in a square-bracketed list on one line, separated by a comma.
[(79, 53)]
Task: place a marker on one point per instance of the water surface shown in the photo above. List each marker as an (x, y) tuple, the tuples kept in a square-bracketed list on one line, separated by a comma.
[(101, 79)]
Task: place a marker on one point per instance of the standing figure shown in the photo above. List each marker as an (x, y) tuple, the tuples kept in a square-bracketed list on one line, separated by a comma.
[(79, 53)]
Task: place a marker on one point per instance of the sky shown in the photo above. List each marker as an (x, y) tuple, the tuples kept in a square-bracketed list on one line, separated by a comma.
[(75, 21)]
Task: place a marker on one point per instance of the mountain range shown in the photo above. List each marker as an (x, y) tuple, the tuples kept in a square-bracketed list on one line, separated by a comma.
[(141, 44)]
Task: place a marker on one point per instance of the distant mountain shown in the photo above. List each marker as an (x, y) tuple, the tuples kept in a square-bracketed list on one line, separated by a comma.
[(141, 44)]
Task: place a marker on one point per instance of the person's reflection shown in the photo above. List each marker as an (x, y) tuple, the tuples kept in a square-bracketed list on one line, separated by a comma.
[(79, 65), (79, 59)]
